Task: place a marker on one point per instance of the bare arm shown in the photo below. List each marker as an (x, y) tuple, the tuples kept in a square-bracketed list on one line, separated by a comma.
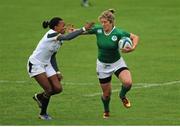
[(54, 63), (55, 66), (76, 32), (135, 40)]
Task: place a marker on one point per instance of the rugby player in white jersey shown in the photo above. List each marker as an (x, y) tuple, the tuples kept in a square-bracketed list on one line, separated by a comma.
[(39, 66)]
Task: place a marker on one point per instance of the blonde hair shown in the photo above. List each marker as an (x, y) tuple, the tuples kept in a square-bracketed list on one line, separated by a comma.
[(109, 15)]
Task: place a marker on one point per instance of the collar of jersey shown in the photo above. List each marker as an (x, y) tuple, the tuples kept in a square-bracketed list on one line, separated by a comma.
[(52, 31), (107, 34)]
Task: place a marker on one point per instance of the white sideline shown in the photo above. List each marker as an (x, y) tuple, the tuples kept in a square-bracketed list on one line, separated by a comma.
[(24, 82), (10, 81), (135, 86), (138, 86)]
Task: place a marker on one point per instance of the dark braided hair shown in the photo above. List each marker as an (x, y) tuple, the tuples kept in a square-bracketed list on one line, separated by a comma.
[(52, 23)]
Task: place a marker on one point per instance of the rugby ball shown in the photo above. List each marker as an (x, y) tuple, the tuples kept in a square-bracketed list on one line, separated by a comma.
[(125, 42)]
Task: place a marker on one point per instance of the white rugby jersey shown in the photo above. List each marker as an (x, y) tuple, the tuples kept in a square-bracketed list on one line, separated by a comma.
[(46, 47)]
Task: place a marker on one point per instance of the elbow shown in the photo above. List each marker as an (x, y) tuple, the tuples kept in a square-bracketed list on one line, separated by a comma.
[(137, 38), (68, 39)]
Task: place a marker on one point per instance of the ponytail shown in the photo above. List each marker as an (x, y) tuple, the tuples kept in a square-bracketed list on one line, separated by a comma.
[(111, 10), (45, 24)]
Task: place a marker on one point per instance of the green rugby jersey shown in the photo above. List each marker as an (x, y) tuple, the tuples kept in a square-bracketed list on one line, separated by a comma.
[(108, 50)]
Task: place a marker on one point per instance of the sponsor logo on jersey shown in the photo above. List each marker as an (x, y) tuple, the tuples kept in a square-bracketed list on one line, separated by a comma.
[(99, 31), (114, 38)]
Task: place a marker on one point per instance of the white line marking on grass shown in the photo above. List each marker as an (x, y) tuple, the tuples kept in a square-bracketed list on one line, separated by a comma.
[(135, 86), (26, 82), (80, 83), (9, 81), (138, 86)]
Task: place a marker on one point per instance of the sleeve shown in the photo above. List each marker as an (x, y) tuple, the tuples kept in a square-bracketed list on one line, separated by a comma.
[(54, 63), (122, 33), (93, 30), (52, 36), (70, 35), (125, 34)]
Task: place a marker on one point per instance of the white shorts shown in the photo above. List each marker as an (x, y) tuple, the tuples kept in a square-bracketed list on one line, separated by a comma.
[(105, 70), (35, 69)]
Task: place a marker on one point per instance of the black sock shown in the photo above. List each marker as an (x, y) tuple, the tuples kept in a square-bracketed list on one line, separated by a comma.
[(85, 1), (44, 106), (45, 101)]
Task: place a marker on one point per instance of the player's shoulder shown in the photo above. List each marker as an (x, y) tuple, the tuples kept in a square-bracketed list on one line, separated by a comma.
[(119, 30), (51, 33), (97, 26), (96, 29), (49, 36)]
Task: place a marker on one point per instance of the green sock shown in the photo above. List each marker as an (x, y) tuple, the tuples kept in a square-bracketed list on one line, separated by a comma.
[(123, 91), (106, 103)]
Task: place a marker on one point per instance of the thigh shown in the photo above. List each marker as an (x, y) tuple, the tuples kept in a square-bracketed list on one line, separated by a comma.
[(106, 88), (55, 82), (125, 77), (43, 81)]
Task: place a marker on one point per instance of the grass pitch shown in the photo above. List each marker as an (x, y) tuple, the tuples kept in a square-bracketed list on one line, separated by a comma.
[(154, 64)]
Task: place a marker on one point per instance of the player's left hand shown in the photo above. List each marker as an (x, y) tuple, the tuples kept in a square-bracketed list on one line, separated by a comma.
[(59, 76), (89, 25), (70, 28)]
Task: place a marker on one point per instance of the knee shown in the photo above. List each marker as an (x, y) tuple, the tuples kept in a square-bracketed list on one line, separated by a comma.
[(127, 83), (128, 86), (49, 91), (57, 90), (106, 95)]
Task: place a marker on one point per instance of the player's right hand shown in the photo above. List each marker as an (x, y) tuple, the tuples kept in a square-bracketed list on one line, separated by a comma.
[(89, 25), (127, 49)]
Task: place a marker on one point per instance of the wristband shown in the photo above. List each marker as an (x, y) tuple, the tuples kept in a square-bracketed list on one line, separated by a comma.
[(84, 29), (58, 72)]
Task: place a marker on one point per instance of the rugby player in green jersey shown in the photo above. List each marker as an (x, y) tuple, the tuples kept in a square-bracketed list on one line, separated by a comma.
[(109, 59)]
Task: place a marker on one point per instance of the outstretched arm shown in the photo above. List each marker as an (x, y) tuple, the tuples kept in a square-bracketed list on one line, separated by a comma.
[(70, 28), (71, 35), (75, 33)]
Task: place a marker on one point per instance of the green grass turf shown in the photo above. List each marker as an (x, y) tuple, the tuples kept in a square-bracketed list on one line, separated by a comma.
[(156, 60)]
